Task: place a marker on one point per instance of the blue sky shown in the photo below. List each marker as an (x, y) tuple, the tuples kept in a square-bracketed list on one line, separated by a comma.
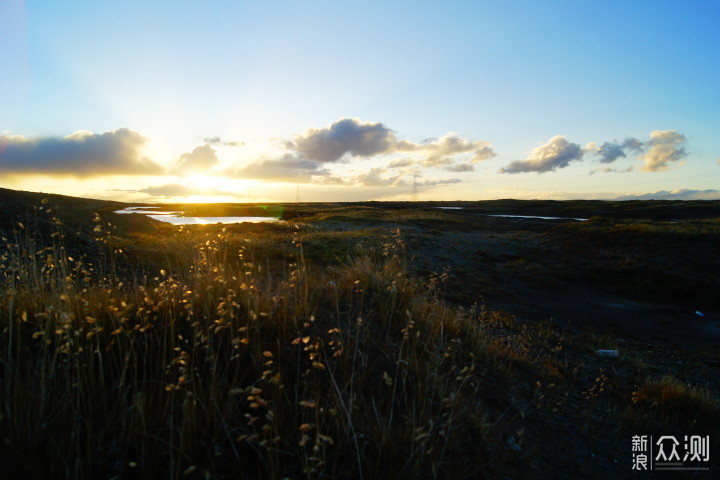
[(162, 101)]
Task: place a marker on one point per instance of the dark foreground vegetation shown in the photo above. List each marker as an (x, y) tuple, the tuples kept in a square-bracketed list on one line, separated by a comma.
[(354, 341)]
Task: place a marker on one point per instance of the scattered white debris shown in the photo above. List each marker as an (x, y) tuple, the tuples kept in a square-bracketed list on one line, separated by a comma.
[(608, 353)]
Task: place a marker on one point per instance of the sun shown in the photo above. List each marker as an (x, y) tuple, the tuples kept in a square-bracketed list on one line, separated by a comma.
[(201, 182), (214, 188)]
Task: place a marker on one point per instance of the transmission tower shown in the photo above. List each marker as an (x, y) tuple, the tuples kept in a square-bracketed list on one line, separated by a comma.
[(297, 194), (414, 191)]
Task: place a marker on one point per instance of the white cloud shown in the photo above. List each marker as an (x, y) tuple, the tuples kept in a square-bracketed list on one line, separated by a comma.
[(438, 183), (460, 167), (216, 140), (483, 153), (401, 163), (288, 168), (351, 137), (437, 151), (311, 155), (374, 178), (664, 148), (556, 153), (612, 170), (201, 159)]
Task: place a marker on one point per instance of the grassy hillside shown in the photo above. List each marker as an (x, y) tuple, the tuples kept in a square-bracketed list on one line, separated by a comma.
[(323, 347)]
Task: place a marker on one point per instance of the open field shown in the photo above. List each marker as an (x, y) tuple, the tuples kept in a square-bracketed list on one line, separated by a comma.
[(367, 340)]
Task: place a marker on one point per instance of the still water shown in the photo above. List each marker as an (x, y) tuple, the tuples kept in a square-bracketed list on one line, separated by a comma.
[(520, 216), (175, 218), (538, 217)]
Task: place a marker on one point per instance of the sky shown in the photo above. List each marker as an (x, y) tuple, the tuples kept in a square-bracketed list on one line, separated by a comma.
[(158, 101)]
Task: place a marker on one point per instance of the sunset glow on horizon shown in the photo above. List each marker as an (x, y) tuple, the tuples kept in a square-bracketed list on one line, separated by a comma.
[(249, 102)]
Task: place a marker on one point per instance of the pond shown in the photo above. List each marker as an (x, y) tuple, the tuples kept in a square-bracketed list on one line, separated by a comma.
[(537, 217), (176, 218), (519, 216)]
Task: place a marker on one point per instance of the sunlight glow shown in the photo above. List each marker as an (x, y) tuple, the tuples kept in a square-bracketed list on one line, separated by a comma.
[(202, 182)]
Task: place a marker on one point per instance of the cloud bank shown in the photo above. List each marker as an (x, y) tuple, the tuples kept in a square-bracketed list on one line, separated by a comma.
[(664, 148), (179, 190), (311, 154), (288, 168), (355, 138), (80, 154)]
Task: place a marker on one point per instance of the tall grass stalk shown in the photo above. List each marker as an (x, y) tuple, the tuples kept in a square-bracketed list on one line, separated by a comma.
[(217, 368)]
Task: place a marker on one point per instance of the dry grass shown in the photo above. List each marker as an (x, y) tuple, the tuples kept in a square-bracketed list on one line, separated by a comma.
[(218, 368), (669, 401), (280, 353)]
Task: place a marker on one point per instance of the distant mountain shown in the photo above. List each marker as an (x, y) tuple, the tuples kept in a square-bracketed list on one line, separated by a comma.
[(680, 194)]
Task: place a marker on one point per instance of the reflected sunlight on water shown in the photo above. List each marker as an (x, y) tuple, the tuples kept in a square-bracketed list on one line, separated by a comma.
[(175, 217)]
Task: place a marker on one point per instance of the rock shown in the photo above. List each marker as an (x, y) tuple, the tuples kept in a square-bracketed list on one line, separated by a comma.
[(512, 444)]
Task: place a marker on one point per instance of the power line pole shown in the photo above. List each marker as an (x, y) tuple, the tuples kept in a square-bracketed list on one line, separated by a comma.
[(414, 191), (297, 193)]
